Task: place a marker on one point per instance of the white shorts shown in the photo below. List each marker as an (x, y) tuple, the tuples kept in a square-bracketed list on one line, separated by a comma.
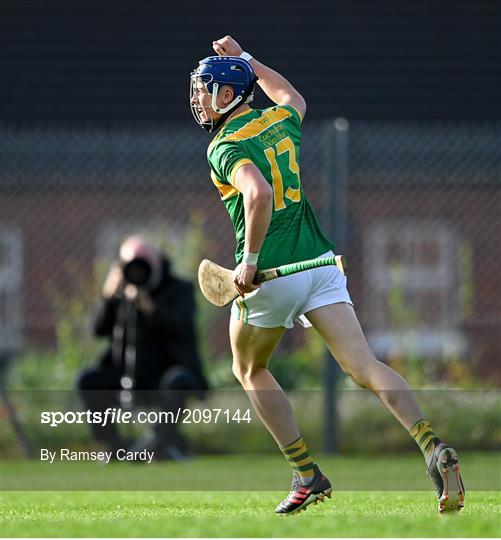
[(284, 300)]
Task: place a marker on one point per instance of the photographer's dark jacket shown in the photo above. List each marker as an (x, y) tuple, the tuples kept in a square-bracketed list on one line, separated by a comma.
[(163, 339)]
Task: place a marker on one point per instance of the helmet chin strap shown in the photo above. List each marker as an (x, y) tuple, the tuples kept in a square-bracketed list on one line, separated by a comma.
[(211, 125), (225, 111), (215, 91)]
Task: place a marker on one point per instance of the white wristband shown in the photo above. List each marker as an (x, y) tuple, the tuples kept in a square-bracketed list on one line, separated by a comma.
[(250, 258), (246, 56)]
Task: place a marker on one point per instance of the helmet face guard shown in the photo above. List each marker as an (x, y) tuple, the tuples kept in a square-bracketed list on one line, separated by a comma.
[(213, 73)]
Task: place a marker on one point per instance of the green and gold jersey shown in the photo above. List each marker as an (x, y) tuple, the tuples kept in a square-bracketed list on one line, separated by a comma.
[(269, 138)]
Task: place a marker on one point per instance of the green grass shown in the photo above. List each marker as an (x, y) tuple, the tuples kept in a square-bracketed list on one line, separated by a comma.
[(250, 514), (236, 514)]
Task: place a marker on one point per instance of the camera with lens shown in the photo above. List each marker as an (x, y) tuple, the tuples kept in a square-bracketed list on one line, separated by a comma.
[(137, 272)]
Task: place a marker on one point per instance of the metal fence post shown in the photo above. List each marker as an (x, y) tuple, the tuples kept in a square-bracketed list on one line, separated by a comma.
[(336, 164)]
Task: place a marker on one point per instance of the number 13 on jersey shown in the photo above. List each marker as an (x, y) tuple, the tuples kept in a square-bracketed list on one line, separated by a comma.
[(293, 194)]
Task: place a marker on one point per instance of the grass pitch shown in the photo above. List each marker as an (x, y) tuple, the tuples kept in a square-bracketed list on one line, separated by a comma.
[(250, 514)]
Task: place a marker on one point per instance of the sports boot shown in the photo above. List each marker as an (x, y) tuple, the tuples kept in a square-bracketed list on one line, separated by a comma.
[(301, 495), (444, 471)]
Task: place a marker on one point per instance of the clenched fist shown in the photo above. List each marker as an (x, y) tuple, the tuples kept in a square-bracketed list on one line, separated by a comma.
[(227, 46)]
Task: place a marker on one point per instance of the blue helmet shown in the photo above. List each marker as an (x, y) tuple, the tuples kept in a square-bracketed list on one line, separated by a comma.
[(215, 72)]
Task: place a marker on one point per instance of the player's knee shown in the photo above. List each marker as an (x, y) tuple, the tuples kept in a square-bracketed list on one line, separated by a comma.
[(360, 373), (243, 370), (240, 370), (361, 379), (367, 374), (235, 367)]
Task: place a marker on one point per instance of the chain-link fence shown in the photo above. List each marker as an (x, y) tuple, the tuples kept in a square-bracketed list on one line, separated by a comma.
[(424, 205), (422, 226)]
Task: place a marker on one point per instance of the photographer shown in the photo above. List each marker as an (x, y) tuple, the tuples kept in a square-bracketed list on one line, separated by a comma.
[(148, 316)]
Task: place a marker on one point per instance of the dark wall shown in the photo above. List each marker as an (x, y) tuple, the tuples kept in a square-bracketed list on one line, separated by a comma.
[(129, 60)]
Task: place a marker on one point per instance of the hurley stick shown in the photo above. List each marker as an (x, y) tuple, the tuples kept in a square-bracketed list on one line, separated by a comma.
[(216, 282)]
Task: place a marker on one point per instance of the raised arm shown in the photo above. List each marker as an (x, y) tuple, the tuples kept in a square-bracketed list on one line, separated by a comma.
[(274, 85)]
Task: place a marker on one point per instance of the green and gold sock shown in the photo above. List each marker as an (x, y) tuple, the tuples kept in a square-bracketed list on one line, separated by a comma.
[(299, 458), (425, 438)]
